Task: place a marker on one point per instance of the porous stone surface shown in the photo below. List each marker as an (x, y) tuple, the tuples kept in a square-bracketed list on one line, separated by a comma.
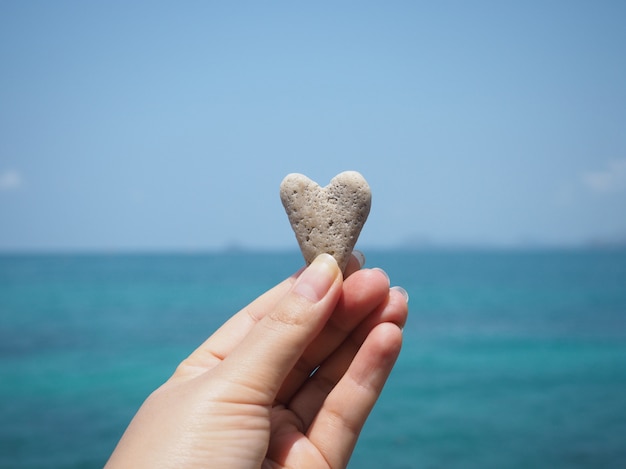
[(327, 219)]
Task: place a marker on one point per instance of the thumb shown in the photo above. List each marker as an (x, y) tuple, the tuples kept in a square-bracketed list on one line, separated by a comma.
[(264, 358)]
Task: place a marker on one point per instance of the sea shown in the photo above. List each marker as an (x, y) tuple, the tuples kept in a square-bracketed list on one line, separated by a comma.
[(511, 358)]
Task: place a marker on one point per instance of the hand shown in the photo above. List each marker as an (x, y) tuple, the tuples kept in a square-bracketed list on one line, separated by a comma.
[(286, 382)]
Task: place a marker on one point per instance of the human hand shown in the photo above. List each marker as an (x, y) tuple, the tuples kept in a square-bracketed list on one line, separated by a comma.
[(287, 382)]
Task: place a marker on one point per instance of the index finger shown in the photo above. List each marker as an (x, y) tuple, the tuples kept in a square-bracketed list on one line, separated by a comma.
[(261, 362)]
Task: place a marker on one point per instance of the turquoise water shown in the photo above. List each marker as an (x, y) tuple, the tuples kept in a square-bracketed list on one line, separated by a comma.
[(511, 359)]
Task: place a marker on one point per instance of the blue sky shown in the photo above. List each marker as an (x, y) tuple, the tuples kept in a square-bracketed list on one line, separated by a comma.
[(169, 125)]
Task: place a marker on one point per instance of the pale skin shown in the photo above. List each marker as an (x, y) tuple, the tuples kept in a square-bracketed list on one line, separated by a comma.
[(287, 382)]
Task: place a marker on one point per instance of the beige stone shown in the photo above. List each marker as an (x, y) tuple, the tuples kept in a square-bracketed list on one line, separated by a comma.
[(327, 219)]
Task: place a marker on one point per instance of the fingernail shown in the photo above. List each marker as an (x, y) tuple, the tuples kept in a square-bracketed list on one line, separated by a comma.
[(317, 278), (359, 256), (382, 272), (403, 292)]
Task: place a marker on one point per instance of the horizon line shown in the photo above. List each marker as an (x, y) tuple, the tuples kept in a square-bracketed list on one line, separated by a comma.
[(243, 249)]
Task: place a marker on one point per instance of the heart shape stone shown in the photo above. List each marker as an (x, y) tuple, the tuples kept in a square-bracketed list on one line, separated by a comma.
[(327, 219)]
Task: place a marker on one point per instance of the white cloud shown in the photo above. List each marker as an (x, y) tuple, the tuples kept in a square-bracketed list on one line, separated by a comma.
[(610, 179), (10, 180)]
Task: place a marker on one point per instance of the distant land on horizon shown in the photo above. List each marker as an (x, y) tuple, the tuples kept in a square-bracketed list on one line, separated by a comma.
[(412, 244), (425, 243)]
